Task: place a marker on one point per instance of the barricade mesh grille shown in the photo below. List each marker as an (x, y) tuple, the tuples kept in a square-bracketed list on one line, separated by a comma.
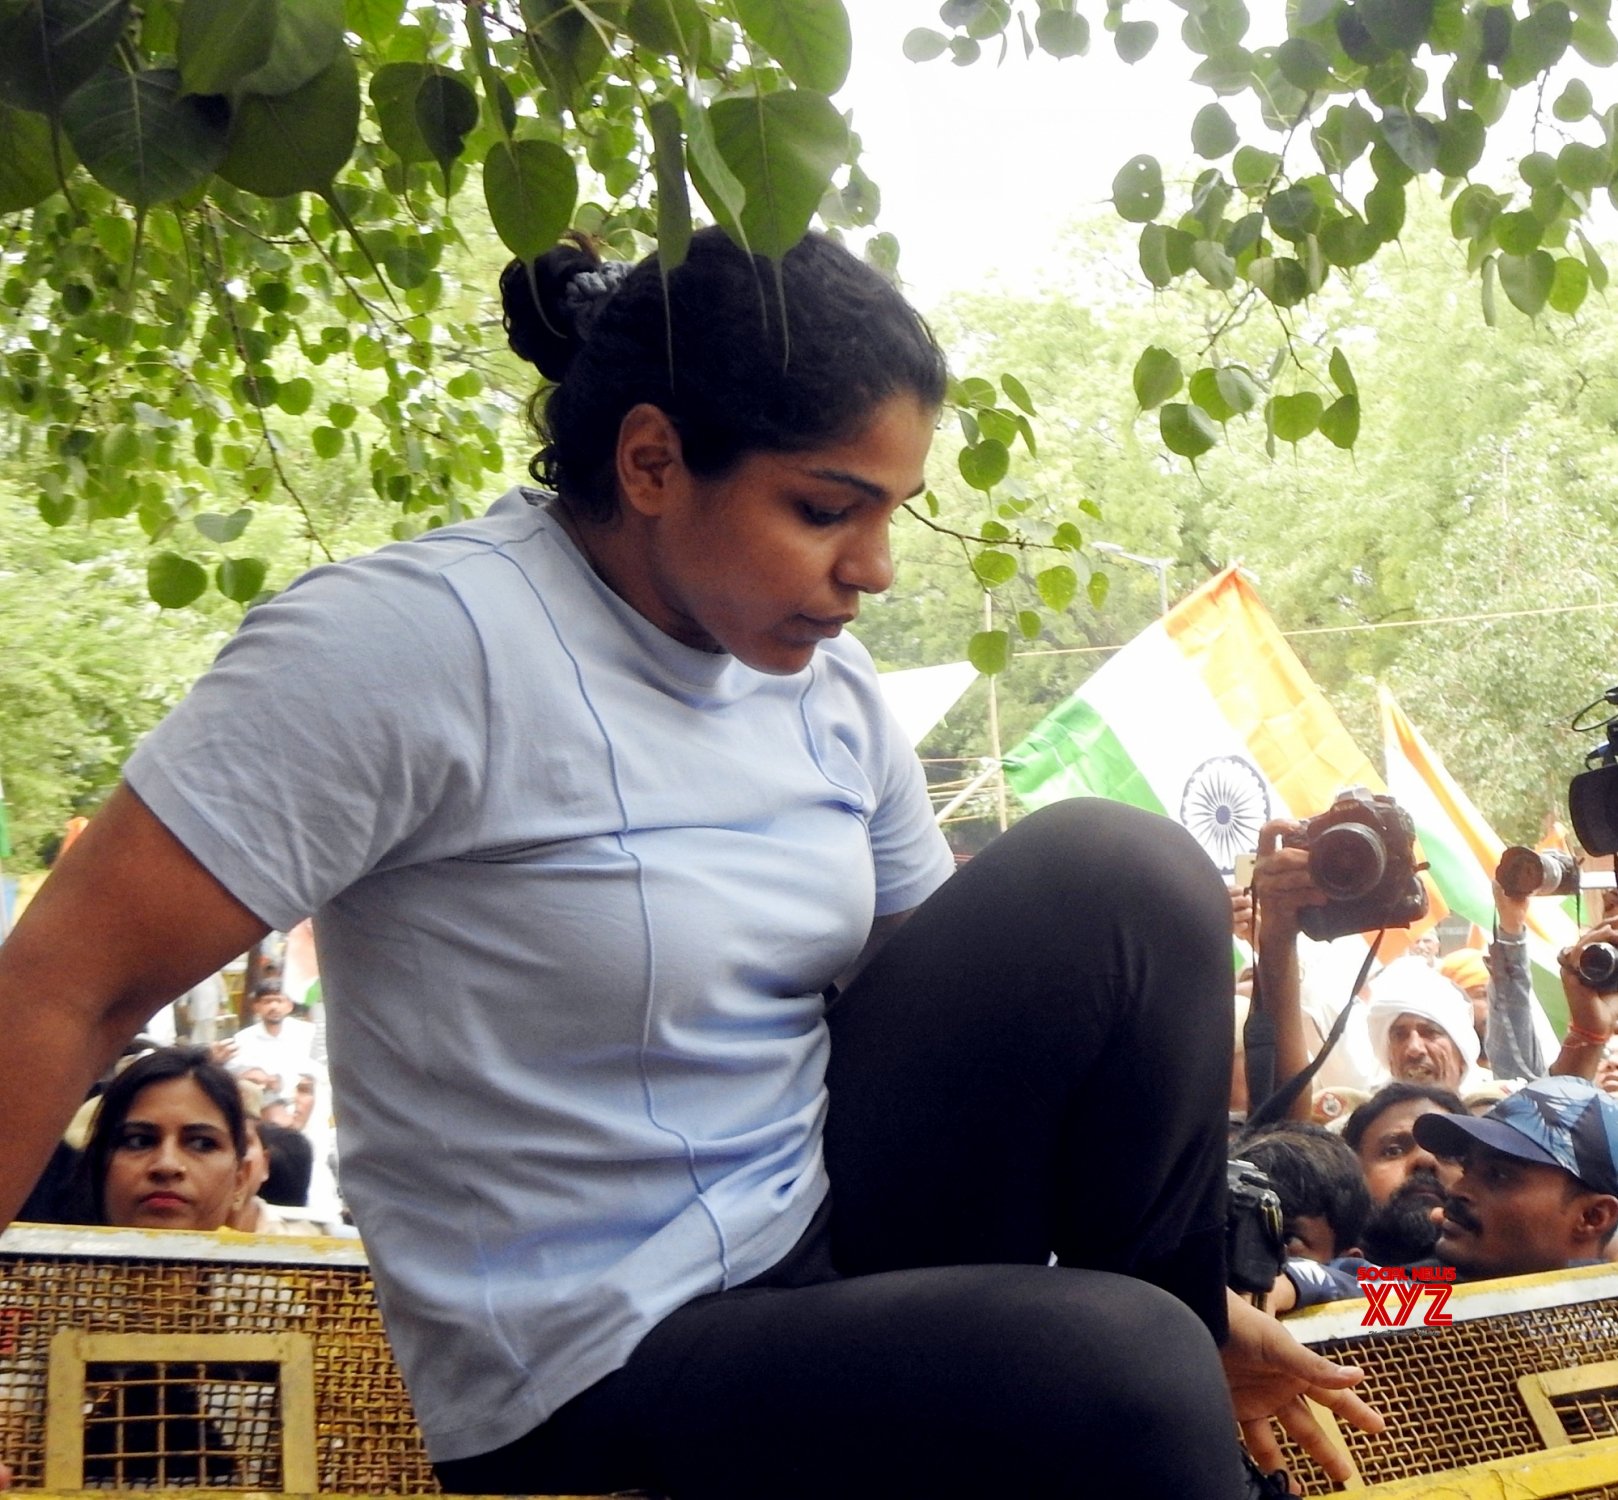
[(365, 1435), (1450, 1394), (183, 1424)]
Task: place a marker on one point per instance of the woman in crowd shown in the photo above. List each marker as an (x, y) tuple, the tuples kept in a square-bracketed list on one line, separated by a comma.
[(707, 1133), (168, 1149)]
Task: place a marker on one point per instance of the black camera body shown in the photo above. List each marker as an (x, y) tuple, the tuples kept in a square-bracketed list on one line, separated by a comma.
[(1592, 795), (1362, 854), (1255, 1251)]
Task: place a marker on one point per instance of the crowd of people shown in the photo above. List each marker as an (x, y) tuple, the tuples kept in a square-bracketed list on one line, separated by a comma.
[(277, 1122), (1447, 1140), (710, 1134)]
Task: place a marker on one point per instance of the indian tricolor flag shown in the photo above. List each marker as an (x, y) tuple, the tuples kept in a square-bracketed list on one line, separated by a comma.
[(1207, 716), (1462, 851)]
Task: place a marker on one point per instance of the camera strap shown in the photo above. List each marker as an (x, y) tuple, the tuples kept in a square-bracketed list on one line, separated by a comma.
[(1276, 1105)]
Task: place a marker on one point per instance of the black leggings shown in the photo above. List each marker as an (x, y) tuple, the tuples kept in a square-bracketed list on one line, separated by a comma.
[(1037, 1062)]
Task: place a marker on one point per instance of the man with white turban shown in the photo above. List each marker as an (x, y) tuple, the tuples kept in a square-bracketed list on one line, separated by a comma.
[(1420, 1027)]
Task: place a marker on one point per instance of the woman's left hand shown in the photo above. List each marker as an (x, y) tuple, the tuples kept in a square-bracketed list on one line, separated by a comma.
[(1270, 1373)]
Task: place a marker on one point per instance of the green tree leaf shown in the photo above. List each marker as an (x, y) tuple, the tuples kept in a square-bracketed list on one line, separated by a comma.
[(1018, 393), (174, 581), (673, 201), (222, 41), (783, 149), (27, 175), (922, 45), (1340, 422), (1186, 430), (1342, 138), (675, 28), (297, 142), (1204, 392), (1293, 212), (1134, 39), (1397, 25), (1570, 285), (994, 568), (1460, 142), (1341, 375), (1157, 377), (1573, 103), (1240, 391), (1254, 169), (720, 188), (1062, 33), (138, 136), (809, 38), (1593, 263), (374, 21), (984, 464), (1413, 139), (1137, 190), (990, 651), (1537, 44), (1518, 233), (446, 113), (223, 529), (1527, 280), (1058, 587), (1594, 41), (1281, 279), (531, 188), (48, 48), (1583, 168), (1213, 132), (393, 90), (308, 35), (1214, 264), (240, 578), (1293, 418), (1304, 64)]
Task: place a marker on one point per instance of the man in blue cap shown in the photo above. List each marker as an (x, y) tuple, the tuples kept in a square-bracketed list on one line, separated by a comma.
[(1538, 1188)]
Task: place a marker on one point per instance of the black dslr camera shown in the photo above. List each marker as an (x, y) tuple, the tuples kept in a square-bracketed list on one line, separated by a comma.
[(1592, 795), (1255, 1251), (1362, 854)]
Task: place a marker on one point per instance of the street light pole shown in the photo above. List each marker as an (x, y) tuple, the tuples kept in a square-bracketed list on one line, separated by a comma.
[(1159, 565)]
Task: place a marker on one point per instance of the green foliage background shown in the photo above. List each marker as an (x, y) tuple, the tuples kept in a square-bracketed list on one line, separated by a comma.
[(246, 249)]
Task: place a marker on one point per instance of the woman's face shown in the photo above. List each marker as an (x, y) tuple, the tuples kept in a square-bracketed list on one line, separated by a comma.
[(772, 559), (173, 1165)]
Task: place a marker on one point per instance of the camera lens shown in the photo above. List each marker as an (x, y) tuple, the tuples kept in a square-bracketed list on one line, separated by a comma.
[(1525, 872), (1598, 967), (1348, 861)]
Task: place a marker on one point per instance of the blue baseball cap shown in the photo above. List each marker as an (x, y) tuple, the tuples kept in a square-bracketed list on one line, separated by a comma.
[(1557, 1122)]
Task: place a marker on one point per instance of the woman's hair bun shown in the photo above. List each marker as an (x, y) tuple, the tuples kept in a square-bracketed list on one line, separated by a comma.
[(548, 306)]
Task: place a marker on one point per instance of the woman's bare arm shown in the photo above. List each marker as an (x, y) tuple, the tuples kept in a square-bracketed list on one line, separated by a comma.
[(126, 921)]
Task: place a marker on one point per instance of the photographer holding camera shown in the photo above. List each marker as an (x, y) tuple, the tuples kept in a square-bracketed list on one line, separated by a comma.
[(1349, 869)]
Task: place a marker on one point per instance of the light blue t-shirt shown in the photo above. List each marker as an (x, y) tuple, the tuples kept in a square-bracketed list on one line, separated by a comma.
[(578, 888)]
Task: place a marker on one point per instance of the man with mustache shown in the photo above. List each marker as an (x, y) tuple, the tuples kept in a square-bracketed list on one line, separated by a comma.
[(1538, 1183), (1421, 1029), (1406, 1181)]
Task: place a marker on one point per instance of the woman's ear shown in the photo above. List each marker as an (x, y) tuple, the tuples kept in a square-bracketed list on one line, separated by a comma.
[(651, 465)]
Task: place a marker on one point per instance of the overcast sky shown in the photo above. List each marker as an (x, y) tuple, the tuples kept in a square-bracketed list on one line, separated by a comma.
[(981, 167)]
